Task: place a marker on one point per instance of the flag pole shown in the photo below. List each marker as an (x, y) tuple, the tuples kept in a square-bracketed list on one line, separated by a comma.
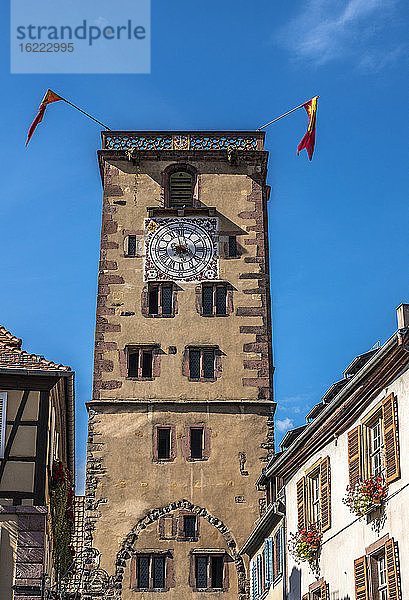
[(86, 114), (284, 115)]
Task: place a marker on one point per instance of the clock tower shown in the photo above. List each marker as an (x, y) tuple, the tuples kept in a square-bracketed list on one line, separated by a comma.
[(181, 418)]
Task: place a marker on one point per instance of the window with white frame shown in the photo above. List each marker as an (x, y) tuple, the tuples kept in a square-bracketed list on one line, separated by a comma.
[(376, 447), (313, 482), (382, 582)]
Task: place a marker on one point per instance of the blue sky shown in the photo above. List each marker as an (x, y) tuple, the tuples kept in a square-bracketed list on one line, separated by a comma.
[(338, 226)]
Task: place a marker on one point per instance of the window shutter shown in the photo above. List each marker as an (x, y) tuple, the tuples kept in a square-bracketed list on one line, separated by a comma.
[(392, 570), (253, 580), (354, 455), (272, 563), (301, 503), (259, 567), (325, 483), (268, 552), (324, 591), (278, 550), (266, 562), (390, 432), (361, 579), (3, 418)]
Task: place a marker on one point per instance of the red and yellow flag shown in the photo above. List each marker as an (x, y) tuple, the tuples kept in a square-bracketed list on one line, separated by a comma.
[(49, 97), (308, 140)]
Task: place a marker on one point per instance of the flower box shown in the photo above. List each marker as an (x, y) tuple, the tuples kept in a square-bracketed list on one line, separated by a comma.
[(366, 495), (305, 544)]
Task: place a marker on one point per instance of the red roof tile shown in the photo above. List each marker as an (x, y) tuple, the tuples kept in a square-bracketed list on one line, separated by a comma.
[(11, 355), (7, 338)]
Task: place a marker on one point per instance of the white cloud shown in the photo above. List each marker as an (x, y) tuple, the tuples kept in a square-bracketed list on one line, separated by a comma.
[(284, 425), (326, 31)]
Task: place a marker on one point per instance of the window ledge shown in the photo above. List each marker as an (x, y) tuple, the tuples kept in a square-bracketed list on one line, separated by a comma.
[(188, 211), (150, 589), (131, 378), (203, 380), (214, 590), (149, 316)]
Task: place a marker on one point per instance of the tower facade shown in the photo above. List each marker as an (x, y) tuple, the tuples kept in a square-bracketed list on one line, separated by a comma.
[(181, 415)]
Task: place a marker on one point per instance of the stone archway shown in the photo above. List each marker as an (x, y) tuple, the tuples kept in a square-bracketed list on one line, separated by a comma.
[(127, 546)]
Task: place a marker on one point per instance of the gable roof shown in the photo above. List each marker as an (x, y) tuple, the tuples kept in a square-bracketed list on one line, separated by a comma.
[(13, 357), (376, 367)]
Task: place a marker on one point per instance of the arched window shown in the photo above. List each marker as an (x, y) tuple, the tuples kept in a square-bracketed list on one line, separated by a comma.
[(181, 188)]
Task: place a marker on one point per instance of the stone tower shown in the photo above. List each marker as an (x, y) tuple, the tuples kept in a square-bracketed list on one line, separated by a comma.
[(181, 415)]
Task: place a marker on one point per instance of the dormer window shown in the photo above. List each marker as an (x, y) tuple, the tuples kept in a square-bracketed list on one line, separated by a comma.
[(180, 188)]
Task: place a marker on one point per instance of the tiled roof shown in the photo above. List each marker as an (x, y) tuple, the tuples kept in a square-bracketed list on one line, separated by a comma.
[(7, 338), (11, 355)]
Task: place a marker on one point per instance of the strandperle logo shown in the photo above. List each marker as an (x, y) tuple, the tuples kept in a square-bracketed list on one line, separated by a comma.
[(89, 33), (80, 36)]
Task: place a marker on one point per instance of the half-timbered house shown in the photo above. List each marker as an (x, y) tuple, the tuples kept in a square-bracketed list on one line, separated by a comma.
[(36, 432)]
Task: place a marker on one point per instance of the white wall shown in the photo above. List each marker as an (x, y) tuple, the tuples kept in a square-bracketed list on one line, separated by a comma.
[(347, 539)]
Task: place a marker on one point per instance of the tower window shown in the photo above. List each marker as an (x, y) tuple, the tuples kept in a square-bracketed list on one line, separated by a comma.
[(201, 363), (209, 572), (221, 296), (232, 249), (150, 571), (216, 572), (164, 442), (141, 362), (189, 526), (160, 300), (214, 300), (196, 442), (153, 299), (194, 364), (181, 189), (146, 367), (164, 434), (207, 299), (133, 364), (131, 245), (208, 364)]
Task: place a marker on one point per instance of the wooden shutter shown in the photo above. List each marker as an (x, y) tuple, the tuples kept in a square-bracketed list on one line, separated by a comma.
[(324, 591), (3, 418), (268, 552), (259, 574), (354, 455), (361, 579), (301, 503), (392, 570), (390, 433), (278, 552), (254, 580), (325, 484)]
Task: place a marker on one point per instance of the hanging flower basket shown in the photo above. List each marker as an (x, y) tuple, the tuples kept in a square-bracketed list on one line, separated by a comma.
[(366, 495), (305, 544)]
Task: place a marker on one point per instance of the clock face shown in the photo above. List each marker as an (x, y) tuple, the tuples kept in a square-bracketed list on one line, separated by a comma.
[(181, 249)]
